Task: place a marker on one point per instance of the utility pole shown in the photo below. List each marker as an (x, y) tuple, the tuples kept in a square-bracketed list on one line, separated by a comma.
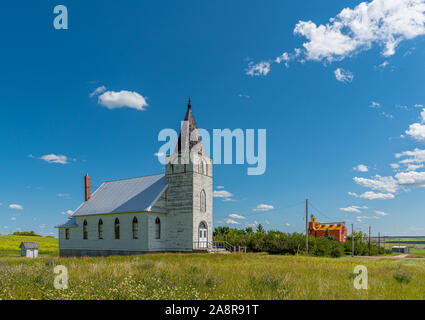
[(369, 240), (352, 240), (379, 242), (306, 227)]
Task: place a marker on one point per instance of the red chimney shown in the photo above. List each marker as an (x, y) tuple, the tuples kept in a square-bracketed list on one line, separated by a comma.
[(87, 187)]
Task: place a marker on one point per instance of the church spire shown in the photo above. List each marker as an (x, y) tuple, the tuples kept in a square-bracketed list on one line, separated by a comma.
[(189, 135)]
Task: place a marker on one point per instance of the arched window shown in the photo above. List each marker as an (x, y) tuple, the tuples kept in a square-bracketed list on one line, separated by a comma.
[(67, 234), (85, 232), (203, 202), (117, 228), (157, 228), (100, 229), (135, 228)]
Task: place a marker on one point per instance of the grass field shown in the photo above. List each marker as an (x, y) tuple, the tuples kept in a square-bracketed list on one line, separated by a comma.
[(9, 245), (203, 276)]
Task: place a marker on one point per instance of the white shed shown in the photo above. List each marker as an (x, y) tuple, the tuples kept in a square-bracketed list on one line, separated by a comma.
[(29, 249)]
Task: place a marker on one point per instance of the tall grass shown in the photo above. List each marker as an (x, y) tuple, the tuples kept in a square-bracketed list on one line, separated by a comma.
[(210, 276)]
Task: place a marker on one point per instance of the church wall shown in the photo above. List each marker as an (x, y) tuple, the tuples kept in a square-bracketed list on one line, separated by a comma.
[(108, 244), (180, 207), (202, 182)]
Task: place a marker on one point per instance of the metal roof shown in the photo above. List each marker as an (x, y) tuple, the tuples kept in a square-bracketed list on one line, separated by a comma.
[(72, 222), (29, 245), (128, 195)]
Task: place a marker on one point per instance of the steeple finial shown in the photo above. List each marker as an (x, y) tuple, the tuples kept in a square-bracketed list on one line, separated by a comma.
[(189, 106)]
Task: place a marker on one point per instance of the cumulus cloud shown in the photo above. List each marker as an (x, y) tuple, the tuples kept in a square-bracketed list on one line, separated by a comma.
[(122, 99), (98, 91), (417, 130), (263, 207), (384, 184), (15, 206), (231, 221), (381, 213), (260, 69), (222, 194), (375, 104), (236, 216), (355, 209), (370, 195), (382, 22), (361, 168), (411, 178), (53, 158), (67, 212), (343, 75)]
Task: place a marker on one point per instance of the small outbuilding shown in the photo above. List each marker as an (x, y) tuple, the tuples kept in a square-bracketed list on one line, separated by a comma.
[(29, 249), (401, 249)]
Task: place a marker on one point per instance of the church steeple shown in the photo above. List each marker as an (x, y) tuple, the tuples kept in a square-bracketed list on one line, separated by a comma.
[(189, 135)]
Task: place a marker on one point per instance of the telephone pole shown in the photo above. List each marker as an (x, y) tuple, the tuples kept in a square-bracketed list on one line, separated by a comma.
[(369, 240), (352, 240), (306, 227)]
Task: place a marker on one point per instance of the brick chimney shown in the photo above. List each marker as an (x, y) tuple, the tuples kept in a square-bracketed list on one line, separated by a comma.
[(87, 187)]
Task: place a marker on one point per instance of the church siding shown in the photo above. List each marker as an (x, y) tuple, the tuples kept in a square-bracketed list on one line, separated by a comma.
[(109, 243)]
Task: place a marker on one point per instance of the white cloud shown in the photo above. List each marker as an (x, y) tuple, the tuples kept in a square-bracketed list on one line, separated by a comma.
[(13, 218), (414, 167), (355, 209), (411, 178), (230, 221), (98, 91), (381, 213), (375, 104), (222, 194), (236, 216), (417, 105), (385, 184), (241, 95), (383, 64), (395, 165), (68, 212), (63, 195), (415, 156), (53, 158), (263, 207), (220, 187), (370, 195), (259, 69), (16, 206), (122, 99), (417, 130), (382, 22), (343, 75), (361, 168)]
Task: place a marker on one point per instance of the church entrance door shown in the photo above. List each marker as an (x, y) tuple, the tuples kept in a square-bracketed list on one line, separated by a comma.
[(203, 235)]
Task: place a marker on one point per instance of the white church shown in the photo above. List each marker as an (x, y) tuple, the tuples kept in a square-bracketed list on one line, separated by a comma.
[(162, 212)]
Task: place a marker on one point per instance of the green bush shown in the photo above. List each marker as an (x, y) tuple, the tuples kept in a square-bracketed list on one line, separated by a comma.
[(276, 242)]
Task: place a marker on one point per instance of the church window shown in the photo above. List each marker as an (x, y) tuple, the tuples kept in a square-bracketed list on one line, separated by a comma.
[(157, 228), (85, 232), (203, 202), (117, 228), (135, 228), (100, 229), (67, 234)]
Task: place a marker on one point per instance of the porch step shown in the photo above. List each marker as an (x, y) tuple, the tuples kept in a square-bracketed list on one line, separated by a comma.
[(218, 250)]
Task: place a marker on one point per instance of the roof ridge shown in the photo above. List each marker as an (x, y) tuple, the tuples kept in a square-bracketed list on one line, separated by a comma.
[(150, 175)]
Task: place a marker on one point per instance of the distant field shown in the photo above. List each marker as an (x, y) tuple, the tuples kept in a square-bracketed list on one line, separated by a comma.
[(211, 276), (9, 245)]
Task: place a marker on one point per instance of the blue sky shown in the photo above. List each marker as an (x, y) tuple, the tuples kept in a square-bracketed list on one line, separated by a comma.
[(346, 97)]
